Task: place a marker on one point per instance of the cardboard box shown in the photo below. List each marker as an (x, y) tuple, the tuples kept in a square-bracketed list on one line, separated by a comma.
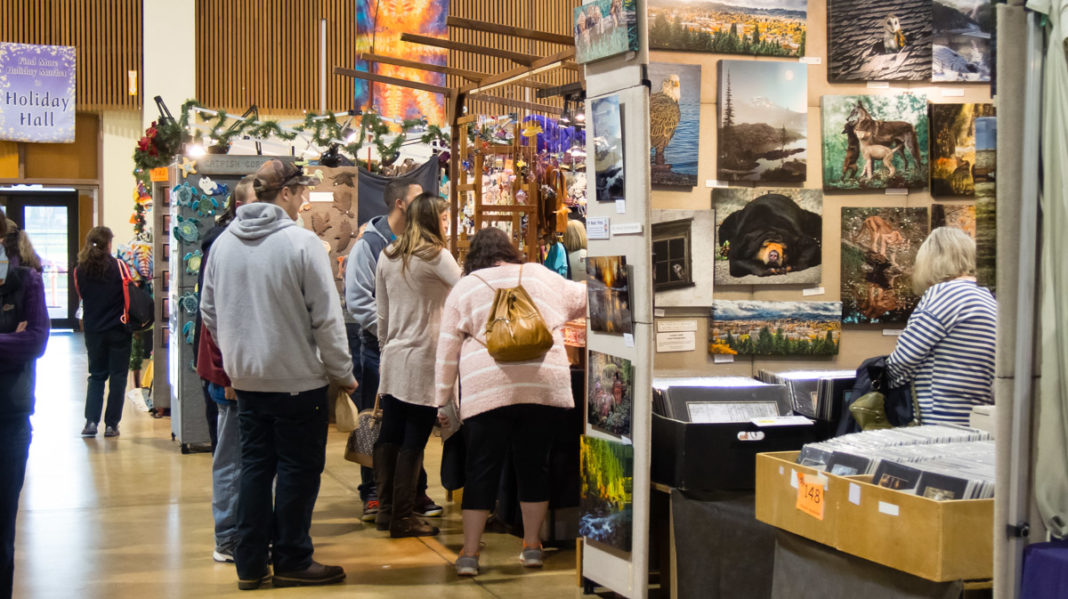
[(936, 540), (776, 498), (717, 456)]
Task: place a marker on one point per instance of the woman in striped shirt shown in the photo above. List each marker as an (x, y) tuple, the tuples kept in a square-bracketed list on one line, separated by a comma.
[(947, 349)]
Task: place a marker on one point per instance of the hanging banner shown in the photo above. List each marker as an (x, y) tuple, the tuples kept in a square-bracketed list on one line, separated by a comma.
[(379, 24), (37, 93)]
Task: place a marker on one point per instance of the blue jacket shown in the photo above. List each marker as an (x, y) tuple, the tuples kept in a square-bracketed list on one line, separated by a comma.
[(360, 274)]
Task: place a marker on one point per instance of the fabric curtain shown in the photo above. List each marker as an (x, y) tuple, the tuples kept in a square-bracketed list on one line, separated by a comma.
[(1051, 463), (372, 188)]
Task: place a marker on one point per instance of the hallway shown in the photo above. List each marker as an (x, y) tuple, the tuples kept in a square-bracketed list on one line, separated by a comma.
[(131, 517)]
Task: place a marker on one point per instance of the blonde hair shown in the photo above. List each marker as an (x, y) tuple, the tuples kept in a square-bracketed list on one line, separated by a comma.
[(946, 254), (574, 236), (422, 233)]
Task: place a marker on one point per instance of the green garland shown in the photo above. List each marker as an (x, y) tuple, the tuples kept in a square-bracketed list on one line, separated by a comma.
[(164, 140)]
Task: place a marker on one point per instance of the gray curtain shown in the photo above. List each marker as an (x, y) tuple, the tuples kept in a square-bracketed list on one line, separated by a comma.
[(372, 188)]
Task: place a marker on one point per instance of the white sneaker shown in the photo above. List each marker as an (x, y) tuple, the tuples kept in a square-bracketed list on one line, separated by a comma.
[(223, 556)]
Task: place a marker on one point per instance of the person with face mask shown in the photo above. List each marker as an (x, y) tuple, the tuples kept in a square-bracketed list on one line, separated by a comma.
[(24, 327)]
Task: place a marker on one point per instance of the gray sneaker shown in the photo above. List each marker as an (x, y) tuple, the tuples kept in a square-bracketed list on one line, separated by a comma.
[(467, 565), (89, 430), (532, 557)]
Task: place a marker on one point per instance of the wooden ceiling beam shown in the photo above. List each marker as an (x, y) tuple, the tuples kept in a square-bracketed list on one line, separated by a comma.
[(530, 34), (519, 73), (516, 57), (423, 66), (532, 107), (437, 89)]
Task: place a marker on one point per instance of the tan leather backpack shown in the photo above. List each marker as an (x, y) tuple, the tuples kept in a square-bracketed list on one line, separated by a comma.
[(515, 330)]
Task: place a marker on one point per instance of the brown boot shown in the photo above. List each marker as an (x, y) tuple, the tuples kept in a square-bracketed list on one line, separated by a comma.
[(385, 464), (403, 522)]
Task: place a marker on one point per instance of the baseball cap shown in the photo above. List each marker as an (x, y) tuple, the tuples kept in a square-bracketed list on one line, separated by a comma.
[(273, 175)]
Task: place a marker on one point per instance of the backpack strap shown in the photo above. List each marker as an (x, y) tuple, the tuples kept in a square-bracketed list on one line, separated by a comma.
[(124, 273)]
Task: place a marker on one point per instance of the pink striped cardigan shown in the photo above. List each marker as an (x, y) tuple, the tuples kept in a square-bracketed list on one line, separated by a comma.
[(486, 383)]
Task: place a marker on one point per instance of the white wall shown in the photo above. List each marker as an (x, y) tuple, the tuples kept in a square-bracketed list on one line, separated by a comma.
[(120, 131), (169, 55)]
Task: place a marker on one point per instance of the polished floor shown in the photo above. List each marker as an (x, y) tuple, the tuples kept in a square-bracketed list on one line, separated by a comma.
[(131, 517)]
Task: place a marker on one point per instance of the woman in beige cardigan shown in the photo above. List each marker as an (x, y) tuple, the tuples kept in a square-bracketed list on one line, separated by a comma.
[(412, 280)]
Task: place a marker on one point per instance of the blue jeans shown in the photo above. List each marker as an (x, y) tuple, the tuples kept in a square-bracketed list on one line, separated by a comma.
[(282, 434), (226, 478), (352, 331), (15, 435), (109, 362)]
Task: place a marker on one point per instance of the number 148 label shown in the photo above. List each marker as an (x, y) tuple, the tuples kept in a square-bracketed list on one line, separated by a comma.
[(810, 495)]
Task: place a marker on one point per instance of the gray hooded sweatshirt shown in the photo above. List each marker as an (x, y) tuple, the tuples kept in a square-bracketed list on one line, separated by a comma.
[(270, 303)]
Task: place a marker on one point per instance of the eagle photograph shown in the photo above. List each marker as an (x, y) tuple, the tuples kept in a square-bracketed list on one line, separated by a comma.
[(674, 123)]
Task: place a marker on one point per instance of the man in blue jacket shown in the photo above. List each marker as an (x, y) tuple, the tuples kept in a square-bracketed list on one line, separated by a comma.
[(360, 302)]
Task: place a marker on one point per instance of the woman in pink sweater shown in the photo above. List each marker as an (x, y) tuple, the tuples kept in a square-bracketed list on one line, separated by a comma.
[(504, 405)]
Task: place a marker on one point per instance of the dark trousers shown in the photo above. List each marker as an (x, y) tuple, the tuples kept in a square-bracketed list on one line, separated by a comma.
[(526, 430), (285, 435), (109, 362), (211, 412), (405, 424), (360, 399), (15, 434)]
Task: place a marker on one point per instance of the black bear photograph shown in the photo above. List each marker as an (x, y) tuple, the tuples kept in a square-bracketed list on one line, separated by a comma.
[(768, 237)]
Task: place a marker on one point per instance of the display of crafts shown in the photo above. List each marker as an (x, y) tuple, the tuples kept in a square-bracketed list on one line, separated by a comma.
[(187, 230), (192, 262)]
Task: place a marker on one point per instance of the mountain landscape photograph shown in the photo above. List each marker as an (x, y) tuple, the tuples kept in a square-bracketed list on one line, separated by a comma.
[(763, 110), (755, 27)]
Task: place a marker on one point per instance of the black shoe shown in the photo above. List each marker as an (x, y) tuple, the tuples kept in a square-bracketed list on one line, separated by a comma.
[(111, 430), (411, 527), (314, 575), (255, 583), (426, 507), (89, 430)]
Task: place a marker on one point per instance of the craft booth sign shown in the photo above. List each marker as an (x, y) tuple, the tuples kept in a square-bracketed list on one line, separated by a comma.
[(37, 93)]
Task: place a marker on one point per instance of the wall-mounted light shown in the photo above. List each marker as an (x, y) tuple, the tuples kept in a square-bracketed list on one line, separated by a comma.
[(131, 82)]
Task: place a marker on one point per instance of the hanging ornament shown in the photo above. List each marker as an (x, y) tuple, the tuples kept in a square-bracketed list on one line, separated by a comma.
[(188, 167), (207, 185), (186, 231), (190, 303), (192, 262), (205, 206), (184, 194)]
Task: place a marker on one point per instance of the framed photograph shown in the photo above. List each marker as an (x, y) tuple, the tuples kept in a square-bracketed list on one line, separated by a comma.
[(672, 255), (759, 328), (608, 144), (878, 41), (675, 123), (956, 157), (605, 499), (605, 28), (609, 394), (879, 248), (962, 48), (765, 28), (608, 289)]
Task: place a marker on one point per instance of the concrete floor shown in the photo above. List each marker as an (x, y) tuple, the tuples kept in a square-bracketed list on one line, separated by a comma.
[(131, 517)]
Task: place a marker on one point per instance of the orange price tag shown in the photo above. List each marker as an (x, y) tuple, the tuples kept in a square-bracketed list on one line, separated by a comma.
[(810, 496), (158, 175)]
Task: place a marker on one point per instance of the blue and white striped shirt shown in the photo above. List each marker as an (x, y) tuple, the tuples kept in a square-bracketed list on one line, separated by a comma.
[(947, 350)]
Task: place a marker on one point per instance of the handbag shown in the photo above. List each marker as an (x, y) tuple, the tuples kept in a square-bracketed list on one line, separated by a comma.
[(360, 447), (515, 329), (345, 413), (870, 409), (139, 309)]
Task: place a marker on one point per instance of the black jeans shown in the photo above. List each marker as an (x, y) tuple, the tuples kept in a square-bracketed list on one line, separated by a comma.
[(405, 424), (211, 412), (15, 434), (364, 399), (282, 434), (109, 361), (526, 429)]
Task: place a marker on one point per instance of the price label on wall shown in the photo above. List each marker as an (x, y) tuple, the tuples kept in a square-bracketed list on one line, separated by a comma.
[(810, 495)]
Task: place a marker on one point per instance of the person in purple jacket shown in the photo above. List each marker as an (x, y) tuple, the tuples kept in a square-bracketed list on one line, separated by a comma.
[(24, 327)]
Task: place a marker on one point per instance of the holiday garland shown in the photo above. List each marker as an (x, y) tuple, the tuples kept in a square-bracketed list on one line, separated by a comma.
[(164, 138)]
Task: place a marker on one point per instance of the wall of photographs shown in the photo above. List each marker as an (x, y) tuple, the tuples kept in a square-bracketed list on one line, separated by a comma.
[(779, 133)]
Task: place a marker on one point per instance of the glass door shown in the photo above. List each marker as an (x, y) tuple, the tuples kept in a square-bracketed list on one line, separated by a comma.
[(50, 219)]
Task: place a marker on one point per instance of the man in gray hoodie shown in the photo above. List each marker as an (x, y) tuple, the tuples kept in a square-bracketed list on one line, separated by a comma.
[(270, 302)]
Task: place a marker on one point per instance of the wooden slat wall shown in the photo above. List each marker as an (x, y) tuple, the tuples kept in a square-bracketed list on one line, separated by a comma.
[(107, 34), (553, 16), (266, 52)]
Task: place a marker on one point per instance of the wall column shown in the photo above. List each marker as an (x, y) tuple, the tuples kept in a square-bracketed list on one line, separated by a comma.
[(169, 55)]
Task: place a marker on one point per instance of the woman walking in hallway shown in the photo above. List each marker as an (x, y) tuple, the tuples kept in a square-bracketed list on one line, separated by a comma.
[(107, 342)]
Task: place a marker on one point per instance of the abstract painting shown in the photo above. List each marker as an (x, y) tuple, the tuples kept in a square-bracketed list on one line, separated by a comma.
[(608, 145), (674, 123), (758, 328), (610, 394), (889, 40), (768, 236), (953, 148), (878, 252), (962, 41), (961, 216), (763, 121), (875, 142), (682, 274), (379, 24), (608, 294), (606, 497), (605, 28), (761, 28)]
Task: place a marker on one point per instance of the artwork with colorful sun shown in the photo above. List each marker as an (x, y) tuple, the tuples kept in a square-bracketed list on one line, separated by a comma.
[(379, 24)]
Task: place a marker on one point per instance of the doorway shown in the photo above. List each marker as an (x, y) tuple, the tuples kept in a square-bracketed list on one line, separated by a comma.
[(50, 218)]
